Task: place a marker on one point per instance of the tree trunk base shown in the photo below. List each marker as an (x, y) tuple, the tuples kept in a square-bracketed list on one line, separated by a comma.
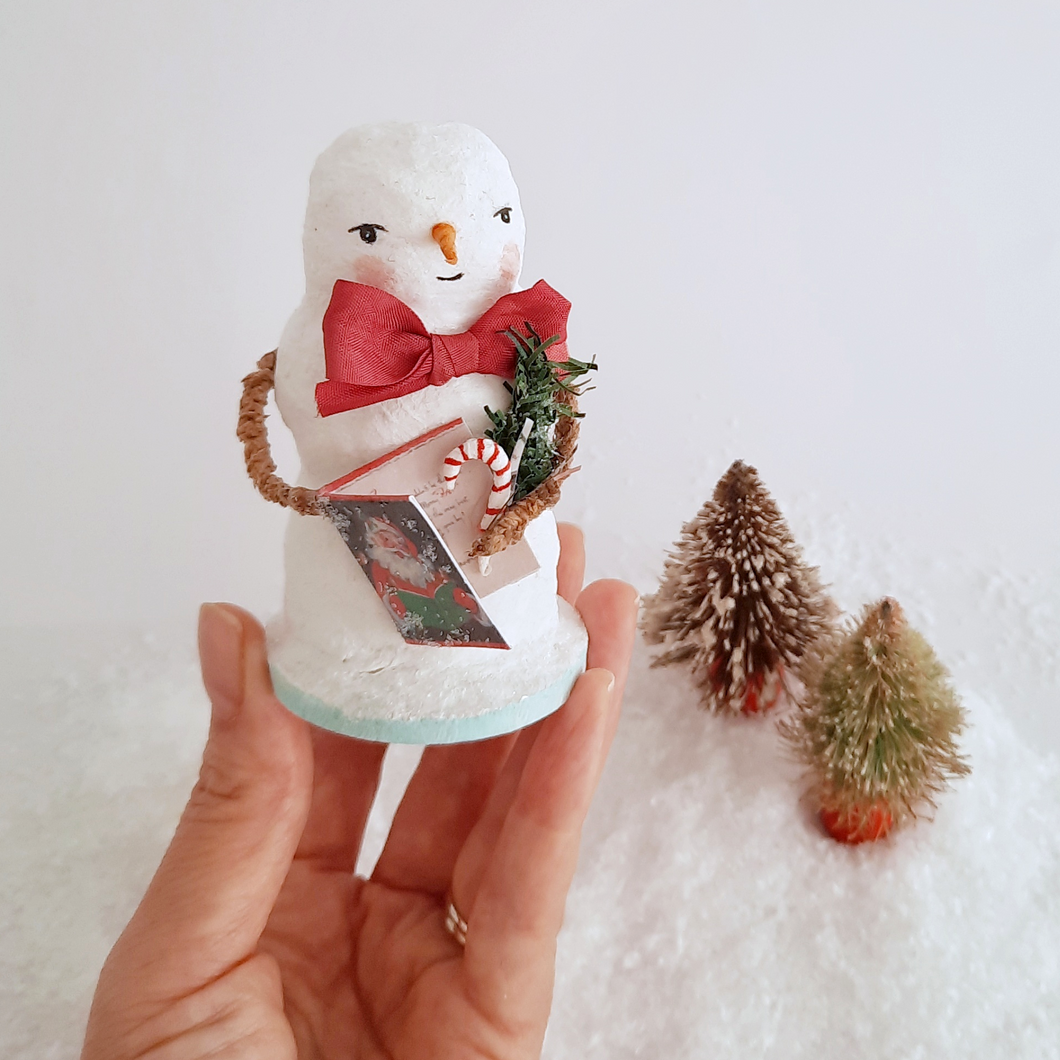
[(858, 823)]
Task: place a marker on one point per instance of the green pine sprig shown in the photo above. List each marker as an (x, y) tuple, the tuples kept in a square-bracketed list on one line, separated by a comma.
[(537, 395)]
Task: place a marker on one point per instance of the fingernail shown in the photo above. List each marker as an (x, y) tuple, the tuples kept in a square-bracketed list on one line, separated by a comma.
[(221, 656), (610, 676)]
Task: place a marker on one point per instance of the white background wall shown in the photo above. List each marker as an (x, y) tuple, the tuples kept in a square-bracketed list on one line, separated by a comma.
[(820, 236)]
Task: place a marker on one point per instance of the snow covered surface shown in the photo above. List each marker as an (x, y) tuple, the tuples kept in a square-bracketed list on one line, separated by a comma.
[(712, 917), (709, 917)]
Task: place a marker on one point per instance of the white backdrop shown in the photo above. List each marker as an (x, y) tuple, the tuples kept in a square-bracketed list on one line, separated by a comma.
[(820, 236)]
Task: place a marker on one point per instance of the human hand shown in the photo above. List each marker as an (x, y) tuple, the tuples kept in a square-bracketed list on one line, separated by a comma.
[(255, 939)]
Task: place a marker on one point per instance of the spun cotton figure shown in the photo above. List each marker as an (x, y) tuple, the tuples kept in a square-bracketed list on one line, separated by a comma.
[(413, 246)]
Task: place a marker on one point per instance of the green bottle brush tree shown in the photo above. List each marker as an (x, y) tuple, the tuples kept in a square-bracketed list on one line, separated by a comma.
[(878, 726)]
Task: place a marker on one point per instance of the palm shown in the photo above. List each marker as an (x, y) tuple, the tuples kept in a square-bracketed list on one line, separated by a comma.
[(368, 961)]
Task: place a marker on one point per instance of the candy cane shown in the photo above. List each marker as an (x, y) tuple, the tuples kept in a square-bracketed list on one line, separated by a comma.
[(496, 459)]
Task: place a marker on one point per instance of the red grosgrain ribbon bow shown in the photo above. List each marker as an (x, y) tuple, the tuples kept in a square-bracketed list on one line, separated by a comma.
[(376, 348)]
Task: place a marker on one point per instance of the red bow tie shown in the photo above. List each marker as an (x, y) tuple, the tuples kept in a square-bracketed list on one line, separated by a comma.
[(376, 348)]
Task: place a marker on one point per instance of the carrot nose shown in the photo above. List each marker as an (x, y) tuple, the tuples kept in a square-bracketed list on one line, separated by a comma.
[(444, 234)]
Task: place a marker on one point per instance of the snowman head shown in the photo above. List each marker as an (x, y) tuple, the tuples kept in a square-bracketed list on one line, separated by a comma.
[(429, 213)]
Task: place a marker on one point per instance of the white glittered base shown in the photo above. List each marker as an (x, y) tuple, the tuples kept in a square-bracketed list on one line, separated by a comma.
[(442, 695)]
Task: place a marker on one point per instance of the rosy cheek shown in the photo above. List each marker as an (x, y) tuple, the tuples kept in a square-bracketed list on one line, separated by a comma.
[(374, 273), (511, 262)]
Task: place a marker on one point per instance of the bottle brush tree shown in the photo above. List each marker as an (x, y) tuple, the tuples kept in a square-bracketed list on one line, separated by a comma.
[(736, 601), (878, 726)]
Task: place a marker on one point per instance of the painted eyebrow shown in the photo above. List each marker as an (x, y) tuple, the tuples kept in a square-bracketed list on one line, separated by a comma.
[(378, 228)]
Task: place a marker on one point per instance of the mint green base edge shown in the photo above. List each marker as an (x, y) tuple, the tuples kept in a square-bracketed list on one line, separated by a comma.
[(427, 730)]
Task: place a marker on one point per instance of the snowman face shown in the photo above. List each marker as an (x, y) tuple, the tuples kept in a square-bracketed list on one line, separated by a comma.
[(429, 213)]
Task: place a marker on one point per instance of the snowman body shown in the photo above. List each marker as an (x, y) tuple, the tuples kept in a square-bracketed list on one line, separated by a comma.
[(378, 198)]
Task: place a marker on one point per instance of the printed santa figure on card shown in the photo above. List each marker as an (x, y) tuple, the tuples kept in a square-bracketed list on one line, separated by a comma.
[(396, 566), (423, 597), (411, 320)]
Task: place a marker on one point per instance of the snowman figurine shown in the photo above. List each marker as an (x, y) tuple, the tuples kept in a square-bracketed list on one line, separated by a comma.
[(403, 219)]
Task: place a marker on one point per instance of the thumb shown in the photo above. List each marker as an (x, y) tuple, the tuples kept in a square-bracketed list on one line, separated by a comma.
[(210, 898)]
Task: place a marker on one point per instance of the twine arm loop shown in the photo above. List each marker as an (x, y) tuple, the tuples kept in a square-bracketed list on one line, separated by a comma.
[(507, 529), (253, 433)]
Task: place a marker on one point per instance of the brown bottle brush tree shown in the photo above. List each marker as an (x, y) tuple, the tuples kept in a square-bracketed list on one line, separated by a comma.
[(736, 601), (878, 726)]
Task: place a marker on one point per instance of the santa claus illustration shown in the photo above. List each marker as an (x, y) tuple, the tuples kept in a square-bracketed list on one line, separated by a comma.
[(410, 585)]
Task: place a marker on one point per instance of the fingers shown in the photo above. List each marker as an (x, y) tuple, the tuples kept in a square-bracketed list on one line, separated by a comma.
[(473, 857), (452, 786), (570, 571), (444, 800), (345, 777), (512, 926), (212, 894), (515, 908), (609, 611)]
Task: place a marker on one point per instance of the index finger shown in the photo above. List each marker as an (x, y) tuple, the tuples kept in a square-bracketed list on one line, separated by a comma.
[(570, 571), (518, 909)]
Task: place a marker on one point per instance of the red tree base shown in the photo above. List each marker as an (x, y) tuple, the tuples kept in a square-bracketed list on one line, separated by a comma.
[(763, 691), (858, 824)]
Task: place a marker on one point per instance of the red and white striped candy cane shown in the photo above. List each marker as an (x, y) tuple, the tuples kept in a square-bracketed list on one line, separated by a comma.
[(496, 459)]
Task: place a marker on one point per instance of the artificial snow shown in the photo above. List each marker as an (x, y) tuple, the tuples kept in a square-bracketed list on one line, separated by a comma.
[(710, 917)]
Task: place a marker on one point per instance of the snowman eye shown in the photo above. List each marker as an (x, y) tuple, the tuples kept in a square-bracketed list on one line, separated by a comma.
[(369, 232), (505, 214)]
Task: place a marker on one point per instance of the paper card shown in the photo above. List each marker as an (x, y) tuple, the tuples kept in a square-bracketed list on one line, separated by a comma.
[(413, 573), (416, 470)]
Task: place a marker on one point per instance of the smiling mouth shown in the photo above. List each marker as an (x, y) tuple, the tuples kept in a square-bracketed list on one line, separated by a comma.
[(456, 277)]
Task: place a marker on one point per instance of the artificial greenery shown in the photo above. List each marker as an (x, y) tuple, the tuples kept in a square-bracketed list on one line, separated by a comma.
[(880, 720), (537, 394)]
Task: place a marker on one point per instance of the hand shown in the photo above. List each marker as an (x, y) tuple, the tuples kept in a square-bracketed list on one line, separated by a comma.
[(255, 939)]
